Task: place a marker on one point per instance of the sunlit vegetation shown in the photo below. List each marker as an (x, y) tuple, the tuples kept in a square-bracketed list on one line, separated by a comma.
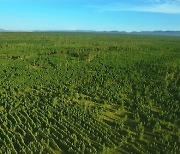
[(84, 93)]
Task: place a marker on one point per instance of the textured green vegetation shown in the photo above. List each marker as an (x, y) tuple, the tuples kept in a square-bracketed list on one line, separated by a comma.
[(89, 93)]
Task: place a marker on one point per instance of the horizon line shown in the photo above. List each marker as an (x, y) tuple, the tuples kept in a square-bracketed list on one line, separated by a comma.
[(81, 30)]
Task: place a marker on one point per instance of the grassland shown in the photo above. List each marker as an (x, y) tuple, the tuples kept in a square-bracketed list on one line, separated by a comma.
[(84, 93)]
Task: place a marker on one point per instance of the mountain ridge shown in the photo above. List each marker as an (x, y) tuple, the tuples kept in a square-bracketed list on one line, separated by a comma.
[(156, 32)]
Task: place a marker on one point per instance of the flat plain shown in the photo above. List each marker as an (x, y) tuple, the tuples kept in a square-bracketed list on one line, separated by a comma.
[(84, 93)]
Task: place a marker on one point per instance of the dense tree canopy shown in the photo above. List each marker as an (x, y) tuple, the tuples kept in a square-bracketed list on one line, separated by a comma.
[(89, 93)]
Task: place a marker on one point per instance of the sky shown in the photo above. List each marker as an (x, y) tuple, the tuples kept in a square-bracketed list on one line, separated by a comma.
[(100, 15)]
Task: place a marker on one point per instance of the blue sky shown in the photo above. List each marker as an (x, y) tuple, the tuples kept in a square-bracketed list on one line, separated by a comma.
[(121, 15)]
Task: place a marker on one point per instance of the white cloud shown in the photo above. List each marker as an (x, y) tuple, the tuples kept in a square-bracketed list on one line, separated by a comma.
[(160, 8), (154, 6)]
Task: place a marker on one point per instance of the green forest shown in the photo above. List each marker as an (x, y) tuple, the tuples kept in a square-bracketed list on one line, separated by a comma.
[(89, 93)]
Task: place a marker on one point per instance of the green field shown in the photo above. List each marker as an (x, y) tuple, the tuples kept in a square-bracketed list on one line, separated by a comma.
[(87, 93)]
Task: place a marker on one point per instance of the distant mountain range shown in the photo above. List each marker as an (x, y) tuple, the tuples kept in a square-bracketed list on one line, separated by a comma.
[(64, 31), (168, 33), (1, 30), (172, 33)]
